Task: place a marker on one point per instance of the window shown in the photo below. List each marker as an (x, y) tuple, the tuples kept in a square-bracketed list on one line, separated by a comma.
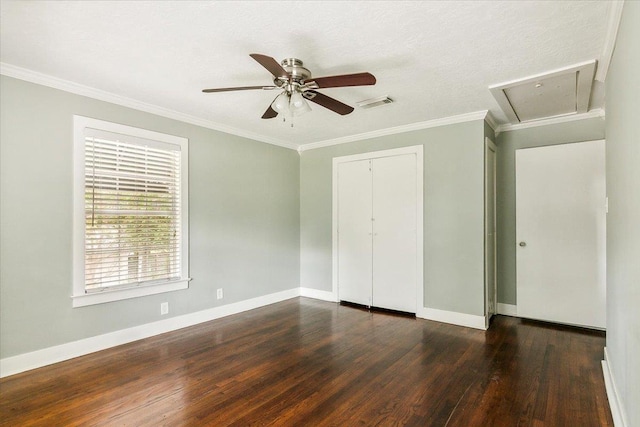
[(130, 212)]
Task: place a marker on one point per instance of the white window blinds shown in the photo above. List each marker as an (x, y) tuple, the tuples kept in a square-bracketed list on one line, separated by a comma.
[(132, 211)]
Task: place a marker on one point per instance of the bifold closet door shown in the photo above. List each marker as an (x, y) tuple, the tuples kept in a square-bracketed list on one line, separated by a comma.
[(354, 231), (394, 233), (377, 240)]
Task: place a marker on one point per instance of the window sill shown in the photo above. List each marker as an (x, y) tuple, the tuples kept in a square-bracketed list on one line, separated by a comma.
[(84, 300)]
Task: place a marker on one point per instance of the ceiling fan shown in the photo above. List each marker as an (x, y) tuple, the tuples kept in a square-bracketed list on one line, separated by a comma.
[(297, 85)]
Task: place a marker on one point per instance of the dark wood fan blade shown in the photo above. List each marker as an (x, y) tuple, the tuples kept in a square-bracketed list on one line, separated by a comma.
[(358, 79), (229, 89), (270, 64), (270, 113), (327, 102)]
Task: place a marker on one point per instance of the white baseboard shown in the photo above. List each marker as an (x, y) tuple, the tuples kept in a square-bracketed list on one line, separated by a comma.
[(507, 309), (47, 356), (612, 393), (318, 294), (452, 317), (460, 319)]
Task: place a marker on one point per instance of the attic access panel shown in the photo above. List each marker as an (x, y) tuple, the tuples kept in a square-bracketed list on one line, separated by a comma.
[(556, 93)]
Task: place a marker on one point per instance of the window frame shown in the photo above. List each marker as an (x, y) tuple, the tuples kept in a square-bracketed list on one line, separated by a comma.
[(80, 297)]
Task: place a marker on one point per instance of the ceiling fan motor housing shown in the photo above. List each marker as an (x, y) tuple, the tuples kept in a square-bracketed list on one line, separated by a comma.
[(294, 67)]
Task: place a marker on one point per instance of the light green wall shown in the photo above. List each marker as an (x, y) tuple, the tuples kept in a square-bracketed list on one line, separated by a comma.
[(244, 220), (453, 212), (508, 143), (623, 219)]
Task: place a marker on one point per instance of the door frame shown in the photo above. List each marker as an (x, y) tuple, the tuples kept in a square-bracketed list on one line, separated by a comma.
[(490, 288), (417, 150)]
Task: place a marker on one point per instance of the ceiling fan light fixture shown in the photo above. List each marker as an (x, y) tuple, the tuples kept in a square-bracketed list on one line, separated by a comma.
[(298, 105), (281, 103)]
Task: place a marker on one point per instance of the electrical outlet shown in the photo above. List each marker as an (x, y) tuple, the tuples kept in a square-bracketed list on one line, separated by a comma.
[(219, 294), (164, 308)]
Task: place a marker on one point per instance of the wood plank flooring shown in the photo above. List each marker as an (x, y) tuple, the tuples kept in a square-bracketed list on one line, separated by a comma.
[(304, 362)]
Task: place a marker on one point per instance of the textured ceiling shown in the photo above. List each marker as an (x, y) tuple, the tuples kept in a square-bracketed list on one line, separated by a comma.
[(435, 59)]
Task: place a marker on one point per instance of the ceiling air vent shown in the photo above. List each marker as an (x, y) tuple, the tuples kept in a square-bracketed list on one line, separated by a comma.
[(374, 102), (556, 93)]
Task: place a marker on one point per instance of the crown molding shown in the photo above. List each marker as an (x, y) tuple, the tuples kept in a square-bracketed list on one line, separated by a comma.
[(468, 117), (552, 121), (615, 14), (101, 95), (78, 89), (491, 121)]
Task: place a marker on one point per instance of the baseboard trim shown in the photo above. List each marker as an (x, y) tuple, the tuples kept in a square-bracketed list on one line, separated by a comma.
[(47, 356), (617, 413), (507, 309), (318, 294), (452, 317)]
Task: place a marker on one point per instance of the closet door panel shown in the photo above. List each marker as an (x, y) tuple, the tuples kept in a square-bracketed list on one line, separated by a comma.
[(394, 233), (354, 232)]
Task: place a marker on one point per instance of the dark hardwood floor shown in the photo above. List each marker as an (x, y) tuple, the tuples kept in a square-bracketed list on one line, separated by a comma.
[(304, 362)]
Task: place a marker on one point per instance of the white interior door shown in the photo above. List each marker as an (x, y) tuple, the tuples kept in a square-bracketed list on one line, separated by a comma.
[(354, 231), (560, 217), (490, 230), (394, 233)]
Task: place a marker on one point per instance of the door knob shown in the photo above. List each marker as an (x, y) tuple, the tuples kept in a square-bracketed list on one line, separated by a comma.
[(523, 244)]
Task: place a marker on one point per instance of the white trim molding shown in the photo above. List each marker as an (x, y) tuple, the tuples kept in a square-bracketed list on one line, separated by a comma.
[(617, 411), (20, 73), (86, 299), (462, 118), (507, 309), (59, 353), (597, 113), (47, 356), (491, 121), (318, 294), (101, 95), (615, 14), (452, 317)]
